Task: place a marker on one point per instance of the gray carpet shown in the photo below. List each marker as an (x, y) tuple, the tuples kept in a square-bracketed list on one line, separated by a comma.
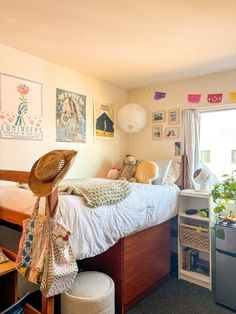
[(180, 297)]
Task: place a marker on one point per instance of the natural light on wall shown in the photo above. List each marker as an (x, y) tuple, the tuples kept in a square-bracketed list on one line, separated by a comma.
[(218, 141)]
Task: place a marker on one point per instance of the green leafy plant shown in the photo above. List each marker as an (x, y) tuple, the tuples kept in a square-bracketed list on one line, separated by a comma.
[(224, 191)]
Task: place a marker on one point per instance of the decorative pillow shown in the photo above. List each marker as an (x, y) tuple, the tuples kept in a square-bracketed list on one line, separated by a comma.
[(164, 167), (146, 172), (173, 173)]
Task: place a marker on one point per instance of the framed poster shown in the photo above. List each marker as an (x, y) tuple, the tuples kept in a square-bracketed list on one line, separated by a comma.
[(21, 111), (70, 116), (173, 116), (157, 132), (171, 132), (177, 148), (159, 116), (103, 120)]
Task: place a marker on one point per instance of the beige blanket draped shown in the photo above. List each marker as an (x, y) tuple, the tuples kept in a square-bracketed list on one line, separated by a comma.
[(96, 193)]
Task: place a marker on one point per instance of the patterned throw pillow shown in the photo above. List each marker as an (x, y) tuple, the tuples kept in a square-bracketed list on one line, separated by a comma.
[(173, 173), (164, 167)]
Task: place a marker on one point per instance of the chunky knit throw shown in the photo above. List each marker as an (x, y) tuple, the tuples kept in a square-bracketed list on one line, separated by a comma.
[(96, 193)]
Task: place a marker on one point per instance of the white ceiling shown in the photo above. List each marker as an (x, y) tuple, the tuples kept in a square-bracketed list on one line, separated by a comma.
[(129, 43)]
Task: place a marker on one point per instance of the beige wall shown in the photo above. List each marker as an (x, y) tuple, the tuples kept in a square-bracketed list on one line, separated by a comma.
[(141, 144), (94, 159)]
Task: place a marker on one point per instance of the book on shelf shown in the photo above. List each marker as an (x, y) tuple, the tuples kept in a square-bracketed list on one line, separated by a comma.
[(192, 262)]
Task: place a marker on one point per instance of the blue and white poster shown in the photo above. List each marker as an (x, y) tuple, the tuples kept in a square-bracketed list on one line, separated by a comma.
[(103, 120), (70, 116)]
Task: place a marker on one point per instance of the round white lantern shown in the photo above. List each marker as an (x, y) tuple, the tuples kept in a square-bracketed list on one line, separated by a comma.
[(131, 118)]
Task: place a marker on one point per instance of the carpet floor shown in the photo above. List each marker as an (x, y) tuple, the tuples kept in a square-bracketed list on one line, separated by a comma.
[(179, 297)]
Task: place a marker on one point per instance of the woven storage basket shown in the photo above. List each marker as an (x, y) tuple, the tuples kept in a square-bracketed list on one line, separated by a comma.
[(189, 236)]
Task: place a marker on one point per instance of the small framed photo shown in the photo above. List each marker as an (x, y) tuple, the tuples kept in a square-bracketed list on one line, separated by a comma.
[(157, 132), (159, 116), (171, 132), (173, 116)]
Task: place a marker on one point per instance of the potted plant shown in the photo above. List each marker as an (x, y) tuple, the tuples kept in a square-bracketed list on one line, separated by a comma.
[(224, 192)]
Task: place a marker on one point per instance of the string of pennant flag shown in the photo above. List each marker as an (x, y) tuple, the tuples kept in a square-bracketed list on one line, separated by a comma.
[(196, 98)]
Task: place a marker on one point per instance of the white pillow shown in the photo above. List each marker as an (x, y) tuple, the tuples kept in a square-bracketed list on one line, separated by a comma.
[(164, 167)]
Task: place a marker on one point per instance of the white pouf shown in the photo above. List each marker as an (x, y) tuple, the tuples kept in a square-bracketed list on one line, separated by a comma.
[(92, 293)]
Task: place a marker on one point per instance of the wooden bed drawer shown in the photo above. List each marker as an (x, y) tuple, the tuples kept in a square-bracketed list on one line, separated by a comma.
[(159, 262), (146, 262), (139, 243), (138, 286)]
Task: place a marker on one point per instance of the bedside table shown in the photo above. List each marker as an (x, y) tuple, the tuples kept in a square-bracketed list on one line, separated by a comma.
[(8, 284), (195, 245)]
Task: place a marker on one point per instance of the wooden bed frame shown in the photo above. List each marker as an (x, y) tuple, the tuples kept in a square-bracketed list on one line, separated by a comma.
[(137, 263)]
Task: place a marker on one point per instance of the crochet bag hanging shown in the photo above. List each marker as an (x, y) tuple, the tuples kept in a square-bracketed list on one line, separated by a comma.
[(59, 265)]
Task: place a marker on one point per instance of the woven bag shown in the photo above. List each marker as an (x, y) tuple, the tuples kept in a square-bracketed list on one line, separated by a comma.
[(60, 267), (29, 261)]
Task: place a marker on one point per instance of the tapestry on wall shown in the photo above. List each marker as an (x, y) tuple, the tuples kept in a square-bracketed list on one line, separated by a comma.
[(70, 116), (21, 111), (103, 120)]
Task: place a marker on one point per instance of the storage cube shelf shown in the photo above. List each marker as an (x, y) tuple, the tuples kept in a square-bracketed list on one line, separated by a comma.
[(195, 239)]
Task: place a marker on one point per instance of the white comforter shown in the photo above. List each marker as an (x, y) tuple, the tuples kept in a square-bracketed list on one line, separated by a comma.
[(94, 230)]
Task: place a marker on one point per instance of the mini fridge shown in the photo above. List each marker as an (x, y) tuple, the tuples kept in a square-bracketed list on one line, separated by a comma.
[(225, 288)]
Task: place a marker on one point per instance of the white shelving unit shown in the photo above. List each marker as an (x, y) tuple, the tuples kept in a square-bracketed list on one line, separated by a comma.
[(190, 199)]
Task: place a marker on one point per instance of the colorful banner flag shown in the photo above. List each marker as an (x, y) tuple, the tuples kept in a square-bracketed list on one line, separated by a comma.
[(232, 97), (214, 98), (194, 98), (159, 95)]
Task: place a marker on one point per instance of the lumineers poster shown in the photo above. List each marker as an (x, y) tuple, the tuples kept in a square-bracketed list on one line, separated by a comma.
[(103, 119), (70, 116), (21, 110)]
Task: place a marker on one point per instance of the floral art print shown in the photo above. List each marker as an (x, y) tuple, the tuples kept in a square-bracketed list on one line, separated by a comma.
[(21, 111)]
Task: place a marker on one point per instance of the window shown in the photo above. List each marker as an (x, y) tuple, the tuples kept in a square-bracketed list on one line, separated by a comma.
[(233, 158), (218, 141), (205, 156)]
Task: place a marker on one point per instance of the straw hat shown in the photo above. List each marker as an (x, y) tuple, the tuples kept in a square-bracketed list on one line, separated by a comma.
[(49, 170)]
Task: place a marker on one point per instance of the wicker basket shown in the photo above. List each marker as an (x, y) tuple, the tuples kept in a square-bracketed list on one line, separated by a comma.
[(190, 236)]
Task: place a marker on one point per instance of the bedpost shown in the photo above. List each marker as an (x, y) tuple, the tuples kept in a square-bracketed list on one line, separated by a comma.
[(52, 201), (48, 304)]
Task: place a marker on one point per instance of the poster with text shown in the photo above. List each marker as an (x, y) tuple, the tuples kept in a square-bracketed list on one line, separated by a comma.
[(70, 116), (103, 120), (21, 112)]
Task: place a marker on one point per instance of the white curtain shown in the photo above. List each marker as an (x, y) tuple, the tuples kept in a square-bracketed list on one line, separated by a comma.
[(190, 143)]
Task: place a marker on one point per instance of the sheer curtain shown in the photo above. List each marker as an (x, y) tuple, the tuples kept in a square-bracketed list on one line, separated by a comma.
[(190, 143)]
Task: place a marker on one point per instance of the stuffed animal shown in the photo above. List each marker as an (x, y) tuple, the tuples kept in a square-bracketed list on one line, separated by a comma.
[(113, 173), (128, 169)]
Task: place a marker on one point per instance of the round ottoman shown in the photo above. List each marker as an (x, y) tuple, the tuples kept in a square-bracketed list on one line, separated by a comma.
[(92, 293)]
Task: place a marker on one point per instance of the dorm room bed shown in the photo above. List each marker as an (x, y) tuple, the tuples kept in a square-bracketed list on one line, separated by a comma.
[(137, 262)]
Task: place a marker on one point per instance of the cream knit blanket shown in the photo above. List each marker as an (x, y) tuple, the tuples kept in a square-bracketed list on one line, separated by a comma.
[(96, 193)]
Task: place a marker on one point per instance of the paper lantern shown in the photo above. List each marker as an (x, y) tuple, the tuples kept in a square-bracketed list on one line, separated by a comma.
[(131, 118)]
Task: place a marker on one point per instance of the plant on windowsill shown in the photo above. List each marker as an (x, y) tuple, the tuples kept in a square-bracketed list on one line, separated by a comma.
[(224, 192), (224, 196)]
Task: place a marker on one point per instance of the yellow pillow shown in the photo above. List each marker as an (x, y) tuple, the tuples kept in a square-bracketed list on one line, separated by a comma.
[(146, 172)]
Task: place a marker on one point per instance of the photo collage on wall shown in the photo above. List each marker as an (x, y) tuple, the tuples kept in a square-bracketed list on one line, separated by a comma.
[(21, 113), (172, 130)]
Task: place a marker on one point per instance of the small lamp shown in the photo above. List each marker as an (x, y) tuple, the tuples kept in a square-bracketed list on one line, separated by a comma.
[(131, 118), (202, 177)]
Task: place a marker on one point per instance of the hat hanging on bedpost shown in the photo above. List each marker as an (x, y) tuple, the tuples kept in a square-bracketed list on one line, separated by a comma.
[(48, 171), (132, 118)]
